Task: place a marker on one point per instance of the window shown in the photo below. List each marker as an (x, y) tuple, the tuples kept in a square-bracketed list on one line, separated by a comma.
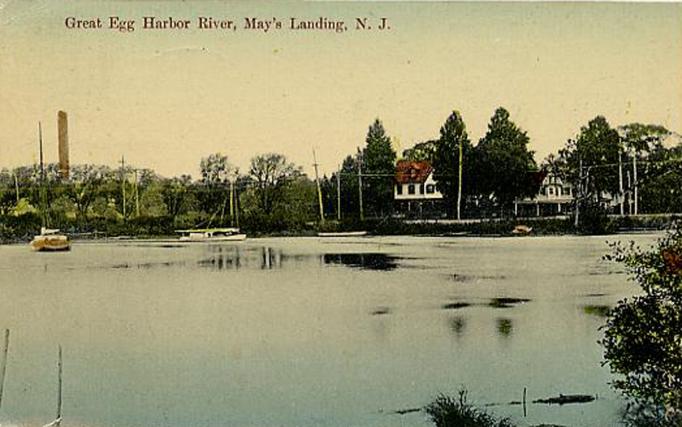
[(550, 191), (399, 189), (421, 188), (430, 189), (410, 189)]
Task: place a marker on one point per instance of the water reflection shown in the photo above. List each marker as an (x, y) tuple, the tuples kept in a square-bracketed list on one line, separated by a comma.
[(234, 258), (380, 311), (457, 325), (505, 327), (455, 305), (597, 310), (365, 261), (507, 302)]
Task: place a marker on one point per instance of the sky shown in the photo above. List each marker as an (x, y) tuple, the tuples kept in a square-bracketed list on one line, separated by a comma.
[(166, 98)]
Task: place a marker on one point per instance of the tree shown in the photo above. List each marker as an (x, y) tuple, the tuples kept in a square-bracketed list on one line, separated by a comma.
[(269, 173), (423, 151), (655, 181), (503, 161), (216, 171), (643, 335), (596, 147), (84, 187), (446, 164), (378, 158), (176, 193)]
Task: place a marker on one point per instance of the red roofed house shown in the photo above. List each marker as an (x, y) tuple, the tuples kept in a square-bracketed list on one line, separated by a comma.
[(414, 189)]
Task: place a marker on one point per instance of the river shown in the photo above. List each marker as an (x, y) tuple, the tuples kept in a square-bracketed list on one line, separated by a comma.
[(308, 331)]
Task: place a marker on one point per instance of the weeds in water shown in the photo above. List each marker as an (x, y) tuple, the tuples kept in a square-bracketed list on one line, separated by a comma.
[(446, 411)]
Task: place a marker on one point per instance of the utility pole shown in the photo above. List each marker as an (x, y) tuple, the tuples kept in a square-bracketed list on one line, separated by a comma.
[(123, 185), (319, 190), (620, 183), (40, 138), (634, 179), (580, 192), (137, 197), (338, 194), (232, 202), (362, 212), (459, 182)]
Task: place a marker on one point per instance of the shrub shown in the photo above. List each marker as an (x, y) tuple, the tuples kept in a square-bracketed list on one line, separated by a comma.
[(643, 335)]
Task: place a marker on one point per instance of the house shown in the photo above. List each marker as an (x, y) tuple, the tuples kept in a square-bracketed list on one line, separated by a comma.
[(414, 190), (555, 197)]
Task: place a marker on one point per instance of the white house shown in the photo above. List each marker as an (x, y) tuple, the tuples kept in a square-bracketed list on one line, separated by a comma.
[(414, 189), (554, 198)]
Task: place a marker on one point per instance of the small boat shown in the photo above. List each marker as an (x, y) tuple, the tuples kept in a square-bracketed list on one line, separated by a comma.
[(50, 240), (522, 229), (343, 234), (229, 234)]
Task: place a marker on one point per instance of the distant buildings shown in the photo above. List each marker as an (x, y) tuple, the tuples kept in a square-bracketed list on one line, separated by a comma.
[(554, 198)]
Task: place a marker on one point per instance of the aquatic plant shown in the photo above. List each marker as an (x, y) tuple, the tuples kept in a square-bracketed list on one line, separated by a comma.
[(446, 411)]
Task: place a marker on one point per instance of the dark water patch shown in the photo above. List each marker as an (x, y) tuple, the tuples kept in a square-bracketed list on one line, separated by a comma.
[(146, 265), (407, 411), (457, 325), (597, 310), (506, 302), (455, 305), (124, 265), (594, 295), (564, 399), (363, 261), (460, 278), (380, 311), (505, 327)]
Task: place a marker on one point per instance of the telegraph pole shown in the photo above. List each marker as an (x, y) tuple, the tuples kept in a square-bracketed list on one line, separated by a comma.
[(123, 185), (634, 178), (319, 190), (137, 197), (362, 212), (338, 194), (580, 192), (459, 182), (620, 182), (232, 202)]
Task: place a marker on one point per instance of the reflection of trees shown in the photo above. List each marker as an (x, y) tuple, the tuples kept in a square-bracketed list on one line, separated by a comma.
[(457, 325), (505, 327)]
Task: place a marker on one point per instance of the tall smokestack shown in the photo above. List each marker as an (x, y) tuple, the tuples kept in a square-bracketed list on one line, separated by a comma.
[(63, 129)]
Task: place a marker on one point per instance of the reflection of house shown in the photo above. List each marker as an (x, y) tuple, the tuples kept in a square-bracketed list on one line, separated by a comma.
[(554, 198), (415, 190)]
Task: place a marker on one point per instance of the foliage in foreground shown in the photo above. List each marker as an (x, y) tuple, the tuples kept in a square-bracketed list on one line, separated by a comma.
[(446, 411), (643, 335)]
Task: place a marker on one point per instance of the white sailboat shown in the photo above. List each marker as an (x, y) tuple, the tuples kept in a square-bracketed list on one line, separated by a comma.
[(49, 240)]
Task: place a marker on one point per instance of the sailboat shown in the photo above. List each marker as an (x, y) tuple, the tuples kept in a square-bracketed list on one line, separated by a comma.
[(49, 240)]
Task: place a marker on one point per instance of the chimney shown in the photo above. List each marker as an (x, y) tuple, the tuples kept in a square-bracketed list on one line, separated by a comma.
[(63, 130)]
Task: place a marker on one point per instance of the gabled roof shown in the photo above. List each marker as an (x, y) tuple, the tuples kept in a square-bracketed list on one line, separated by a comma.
[(408, 172)]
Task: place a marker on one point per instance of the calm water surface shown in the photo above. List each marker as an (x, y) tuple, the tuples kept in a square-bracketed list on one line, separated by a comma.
[(307, 332)]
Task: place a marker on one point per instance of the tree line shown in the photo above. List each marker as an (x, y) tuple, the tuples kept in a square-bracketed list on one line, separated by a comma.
[(274, 194)]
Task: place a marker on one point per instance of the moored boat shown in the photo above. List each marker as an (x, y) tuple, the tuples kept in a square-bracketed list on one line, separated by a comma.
[(343, 234), (229, 234), (50, 240)]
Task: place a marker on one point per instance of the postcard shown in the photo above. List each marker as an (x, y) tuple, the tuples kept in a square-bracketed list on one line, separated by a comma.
[(339, 213)]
